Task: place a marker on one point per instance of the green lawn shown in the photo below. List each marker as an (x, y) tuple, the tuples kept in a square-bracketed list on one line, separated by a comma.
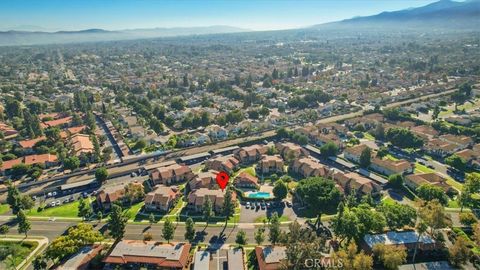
[(453, 204), (391, 157), (454, 184), (368, 136), (281, 218), (65, 210), (250, 170), (388, 200), (133, 210), (19, 250), (4, 208), (419, 168)]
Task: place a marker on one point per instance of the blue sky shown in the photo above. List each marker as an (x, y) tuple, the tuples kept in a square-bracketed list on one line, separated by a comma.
[(128, 14)]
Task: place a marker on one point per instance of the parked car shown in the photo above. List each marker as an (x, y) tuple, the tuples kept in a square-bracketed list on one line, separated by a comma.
[(247, 205), (289, 204)]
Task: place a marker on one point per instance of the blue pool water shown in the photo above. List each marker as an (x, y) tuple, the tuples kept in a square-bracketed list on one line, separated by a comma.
[(259, 195)]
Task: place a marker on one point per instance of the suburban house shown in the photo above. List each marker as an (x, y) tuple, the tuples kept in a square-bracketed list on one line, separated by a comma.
[(308, 167), (246, 180), (322, 138), (388, 167), (81, 144), (8, 131), (222, 163), (204, 180), (81, 259), (288, 149), (426, 132), (271, 164), (216, 132), (27, 145), (171, 174), (440, 148), (354, 181), (271, 257), (71, 131), (353, 153), (413, 181), (47, 160), (369, 121), (471, 156), (197, 198), (134, 254), (407, 239), (460, 140), (161, 198), (62, 122), (111, 194), (250, 154)]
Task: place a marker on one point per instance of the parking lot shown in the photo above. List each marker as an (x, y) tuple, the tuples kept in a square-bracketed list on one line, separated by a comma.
[(251, 213)]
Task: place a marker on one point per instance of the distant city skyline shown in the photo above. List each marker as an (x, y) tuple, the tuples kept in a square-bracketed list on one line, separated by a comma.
[(54, 15)]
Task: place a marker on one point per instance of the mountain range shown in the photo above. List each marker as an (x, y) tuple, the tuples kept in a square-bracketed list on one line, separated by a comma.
[(444, 14)]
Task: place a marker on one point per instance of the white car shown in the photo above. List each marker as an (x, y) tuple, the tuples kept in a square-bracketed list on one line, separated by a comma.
[(52, 204), (49, 194), (52, 219)]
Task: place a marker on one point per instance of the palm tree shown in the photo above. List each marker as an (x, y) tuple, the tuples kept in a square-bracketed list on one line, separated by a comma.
[(421, 229)]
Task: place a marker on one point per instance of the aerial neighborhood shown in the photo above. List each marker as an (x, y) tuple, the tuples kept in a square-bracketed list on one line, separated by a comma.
[(355, 150)]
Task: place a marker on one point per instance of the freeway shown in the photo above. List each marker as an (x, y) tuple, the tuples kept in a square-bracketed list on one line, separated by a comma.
[(132, 164)]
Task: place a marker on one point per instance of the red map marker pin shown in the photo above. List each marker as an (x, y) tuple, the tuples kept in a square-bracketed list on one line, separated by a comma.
[(222, 179)]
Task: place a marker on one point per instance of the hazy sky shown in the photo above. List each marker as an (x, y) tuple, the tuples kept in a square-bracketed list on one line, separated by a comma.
[(128, 14)]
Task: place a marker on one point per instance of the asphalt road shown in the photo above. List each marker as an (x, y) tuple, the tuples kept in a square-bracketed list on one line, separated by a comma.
[(212, 234)]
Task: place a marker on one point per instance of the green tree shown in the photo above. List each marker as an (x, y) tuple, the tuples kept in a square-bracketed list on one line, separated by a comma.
[(404, 138), (71, 163), (259, 235), (228, 205), (151, 219), (241, 238), (329, 149), (366, 157), (4, 229), (391, 256), (101, 174), (280, 190), (40, 263), (168, 230), (468, 219), (207, 210), (433, 214), (459, 252), (117, 222), (456, 162), (398, 215), (319, 194), (85, 210), (430, 192), (189, 230), (274, 227), (23, 223), (396, 180), (421, 229)]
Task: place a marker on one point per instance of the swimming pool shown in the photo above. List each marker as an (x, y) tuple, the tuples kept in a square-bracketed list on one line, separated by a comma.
[(259, 195)]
